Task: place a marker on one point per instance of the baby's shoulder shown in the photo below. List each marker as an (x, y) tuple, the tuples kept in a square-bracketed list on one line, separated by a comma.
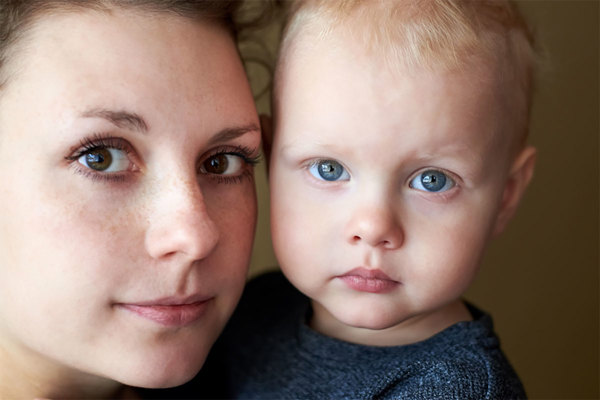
[(463, 362), (461, 378)]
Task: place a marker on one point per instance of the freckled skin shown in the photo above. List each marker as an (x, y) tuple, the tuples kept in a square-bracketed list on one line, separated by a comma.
[(72, 247), (385, 127)]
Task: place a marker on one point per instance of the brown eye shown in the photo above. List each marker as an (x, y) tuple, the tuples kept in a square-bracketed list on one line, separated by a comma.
[(99, 159), (217, 164), (105, 159), (223, 164)]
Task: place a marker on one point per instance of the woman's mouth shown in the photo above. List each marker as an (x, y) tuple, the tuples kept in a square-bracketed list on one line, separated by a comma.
[(368, 280), (171, 312)]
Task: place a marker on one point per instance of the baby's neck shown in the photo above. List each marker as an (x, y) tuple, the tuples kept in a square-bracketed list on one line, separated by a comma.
[(410, 331)]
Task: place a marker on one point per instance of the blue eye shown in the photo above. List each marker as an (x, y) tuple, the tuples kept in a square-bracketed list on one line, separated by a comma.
[(329, 170), (432, 181)]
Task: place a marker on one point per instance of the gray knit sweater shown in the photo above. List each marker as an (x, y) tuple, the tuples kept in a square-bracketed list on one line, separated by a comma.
[(268, 352)]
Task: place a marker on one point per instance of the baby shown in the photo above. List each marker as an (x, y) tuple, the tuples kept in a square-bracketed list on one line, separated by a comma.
[(398, 154)]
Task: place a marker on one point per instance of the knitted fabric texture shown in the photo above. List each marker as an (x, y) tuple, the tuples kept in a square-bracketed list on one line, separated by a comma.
[(268, 352)]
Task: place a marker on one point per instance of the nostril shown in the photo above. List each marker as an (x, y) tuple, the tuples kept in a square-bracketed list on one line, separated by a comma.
[(356, 238)]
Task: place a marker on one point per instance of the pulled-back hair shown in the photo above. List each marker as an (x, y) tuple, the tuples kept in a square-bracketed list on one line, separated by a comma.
[(18, 16), (429, 34)]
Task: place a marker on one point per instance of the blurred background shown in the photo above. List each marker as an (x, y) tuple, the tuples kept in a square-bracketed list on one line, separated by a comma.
[(540, 279)]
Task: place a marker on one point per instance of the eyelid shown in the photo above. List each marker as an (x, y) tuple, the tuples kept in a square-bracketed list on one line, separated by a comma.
[(450, 174), (314, 161), (250, 156), (99, 141)]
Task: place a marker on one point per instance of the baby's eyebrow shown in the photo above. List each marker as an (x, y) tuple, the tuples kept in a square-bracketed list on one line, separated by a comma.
[(121, 119), (231, 133)]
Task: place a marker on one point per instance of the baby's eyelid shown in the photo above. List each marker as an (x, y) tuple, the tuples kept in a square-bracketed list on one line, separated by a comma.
[(455, 178)]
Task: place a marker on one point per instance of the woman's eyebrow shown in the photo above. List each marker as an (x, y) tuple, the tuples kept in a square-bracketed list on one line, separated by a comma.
[(121, 119), (133, 121), (228, 134)]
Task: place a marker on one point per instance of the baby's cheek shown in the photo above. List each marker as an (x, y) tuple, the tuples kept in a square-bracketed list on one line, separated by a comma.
[(449, 257)]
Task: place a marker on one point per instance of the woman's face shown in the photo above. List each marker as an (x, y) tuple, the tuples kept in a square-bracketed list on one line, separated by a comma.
[(127, 195)]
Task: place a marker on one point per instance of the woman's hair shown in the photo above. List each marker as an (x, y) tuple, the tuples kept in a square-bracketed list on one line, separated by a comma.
[(18, 16)]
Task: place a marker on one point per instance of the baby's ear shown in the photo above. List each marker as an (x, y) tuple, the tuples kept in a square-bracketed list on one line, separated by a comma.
[(266, 130), (520, 175)]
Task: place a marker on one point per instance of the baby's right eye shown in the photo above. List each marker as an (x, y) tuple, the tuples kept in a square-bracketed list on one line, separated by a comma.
[(328, 170)]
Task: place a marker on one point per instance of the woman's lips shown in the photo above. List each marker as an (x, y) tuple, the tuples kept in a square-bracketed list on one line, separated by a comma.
[(368, 280), (169, 312)]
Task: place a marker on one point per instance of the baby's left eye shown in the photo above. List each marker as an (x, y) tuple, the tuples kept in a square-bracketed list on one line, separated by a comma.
[(432, 180), (329, 170)]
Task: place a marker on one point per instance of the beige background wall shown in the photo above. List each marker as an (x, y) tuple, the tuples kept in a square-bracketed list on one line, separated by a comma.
[(540, 279)]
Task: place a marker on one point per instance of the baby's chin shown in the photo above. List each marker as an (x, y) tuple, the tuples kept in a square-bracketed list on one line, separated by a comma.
[(375, 326), (367, 320), (363, 319)]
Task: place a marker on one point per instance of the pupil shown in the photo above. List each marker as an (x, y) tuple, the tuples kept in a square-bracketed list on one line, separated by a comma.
[(99, 159), (433, 180)]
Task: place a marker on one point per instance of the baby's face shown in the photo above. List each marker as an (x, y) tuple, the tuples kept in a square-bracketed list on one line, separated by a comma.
[(385, 185)]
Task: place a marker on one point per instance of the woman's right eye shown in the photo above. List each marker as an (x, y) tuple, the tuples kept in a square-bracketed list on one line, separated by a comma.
[(105, 159), (328, 170)]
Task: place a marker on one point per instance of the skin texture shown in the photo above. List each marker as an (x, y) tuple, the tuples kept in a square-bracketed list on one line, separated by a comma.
[(77, 245), (334, 101)]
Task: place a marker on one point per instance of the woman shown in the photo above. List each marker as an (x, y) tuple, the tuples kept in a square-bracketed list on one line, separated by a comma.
[(127, 138)]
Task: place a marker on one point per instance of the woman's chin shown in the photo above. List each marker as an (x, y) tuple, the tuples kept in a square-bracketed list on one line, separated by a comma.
[(161, 375)]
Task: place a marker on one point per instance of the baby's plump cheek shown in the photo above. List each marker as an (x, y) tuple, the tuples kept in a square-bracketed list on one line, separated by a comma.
[(444, 256), (306, 240)]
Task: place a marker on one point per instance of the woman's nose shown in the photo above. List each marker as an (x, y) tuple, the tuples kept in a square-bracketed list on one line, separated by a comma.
[(375, 225), (179, 224)]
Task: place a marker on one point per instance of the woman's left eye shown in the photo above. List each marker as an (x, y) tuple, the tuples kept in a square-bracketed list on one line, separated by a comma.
[(432, 180), (105, 159), (223, 164), (328, 170)]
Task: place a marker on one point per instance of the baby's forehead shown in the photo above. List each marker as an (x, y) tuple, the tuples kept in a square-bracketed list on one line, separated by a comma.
[(338, 84), (338, 56)]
